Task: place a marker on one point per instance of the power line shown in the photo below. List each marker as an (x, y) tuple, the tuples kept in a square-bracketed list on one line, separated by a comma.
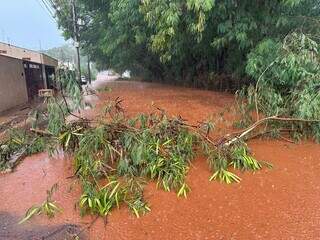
[(47, 11), (48, 7), (52, 5)]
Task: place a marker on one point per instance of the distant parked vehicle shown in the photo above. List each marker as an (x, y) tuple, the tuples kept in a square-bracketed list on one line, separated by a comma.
[(83, 80), (126, 74)]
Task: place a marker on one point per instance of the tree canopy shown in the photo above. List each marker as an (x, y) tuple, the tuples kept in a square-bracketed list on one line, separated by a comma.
[(179, 40), (269, 49)]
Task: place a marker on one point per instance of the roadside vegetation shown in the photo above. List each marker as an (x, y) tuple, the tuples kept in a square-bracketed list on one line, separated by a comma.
[(48, 207), (188, 42), (268, 53)]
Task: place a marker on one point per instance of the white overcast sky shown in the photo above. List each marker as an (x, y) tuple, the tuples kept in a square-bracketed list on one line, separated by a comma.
[(26, 23)]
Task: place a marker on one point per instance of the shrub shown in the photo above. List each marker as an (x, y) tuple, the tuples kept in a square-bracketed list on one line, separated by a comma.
[(287, 78)]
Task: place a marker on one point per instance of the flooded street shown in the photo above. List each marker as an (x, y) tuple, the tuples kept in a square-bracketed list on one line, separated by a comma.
[(278, 203)]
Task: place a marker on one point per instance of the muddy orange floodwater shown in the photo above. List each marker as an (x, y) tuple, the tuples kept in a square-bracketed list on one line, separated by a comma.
[(278, 203)]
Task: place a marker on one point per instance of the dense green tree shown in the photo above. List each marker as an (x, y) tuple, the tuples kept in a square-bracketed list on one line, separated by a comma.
[(272, 46), (180, 40)]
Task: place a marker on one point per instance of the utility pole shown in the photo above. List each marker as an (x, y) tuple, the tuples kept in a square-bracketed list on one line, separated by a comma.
[(76, 38), (40, 46), (3, 35), (89, 70)]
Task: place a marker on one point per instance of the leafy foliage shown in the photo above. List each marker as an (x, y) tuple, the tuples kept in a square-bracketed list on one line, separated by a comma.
[(224, 157), (20, 142), (148, 146), (114, 156), (182, 40), (289, 80), (48, 207)]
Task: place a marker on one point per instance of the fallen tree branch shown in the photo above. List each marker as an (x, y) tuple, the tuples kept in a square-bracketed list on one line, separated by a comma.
[(286, 139), (261, 121), (39, 131)]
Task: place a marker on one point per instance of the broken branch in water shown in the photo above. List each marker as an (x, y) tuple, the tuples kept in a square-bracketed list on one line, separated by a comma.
[(41, 132), (246, 131)]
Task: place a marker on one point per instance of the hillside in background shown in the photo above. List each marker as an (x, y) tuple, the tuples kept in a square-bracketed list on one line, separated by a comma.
[(68, 55), (65, 53)]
